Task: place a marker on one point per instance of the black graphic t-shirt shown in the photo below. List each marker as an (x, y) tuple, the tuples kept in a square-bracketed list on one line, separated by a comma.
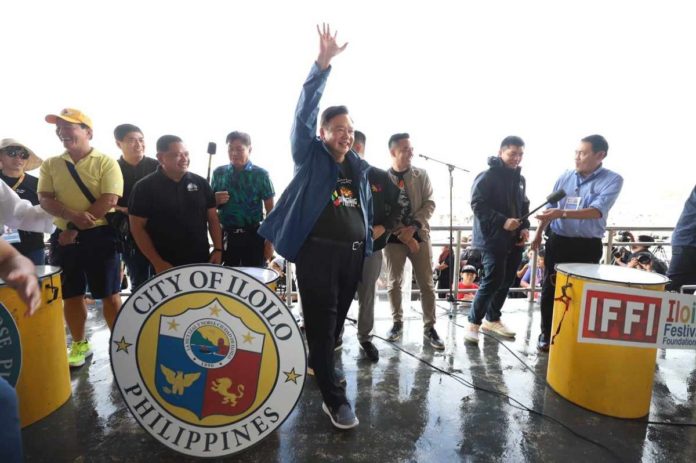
[(342, 218), (406, 211)]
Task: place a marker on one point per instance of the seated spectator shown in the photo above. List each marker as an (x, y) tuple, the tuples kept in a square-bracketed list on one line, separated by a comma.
[(472, 257), (467, 276), (525, 282)]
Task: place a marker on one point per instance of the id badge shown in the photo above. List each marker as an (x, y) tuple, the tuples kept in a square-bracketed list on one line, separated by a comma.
[(572, 203)]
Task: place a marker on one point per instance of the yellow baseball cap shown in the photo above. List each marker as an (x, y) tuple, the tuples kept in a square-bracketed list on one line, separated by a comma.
[(74, 116)]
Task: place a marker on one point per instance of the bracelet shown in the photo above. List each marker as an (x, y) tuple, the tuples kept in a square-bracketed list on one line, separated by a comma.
[(217, 249)]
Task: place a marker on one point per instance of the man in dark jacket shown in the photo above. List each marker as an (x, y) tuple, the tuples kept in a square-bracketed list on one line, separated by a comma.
[(498, 198), (386, 215), (323, 223)]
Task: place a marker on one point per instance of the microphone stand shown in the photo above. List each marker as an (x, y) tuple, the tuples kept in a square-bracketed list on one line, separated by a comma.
[(450, 169)]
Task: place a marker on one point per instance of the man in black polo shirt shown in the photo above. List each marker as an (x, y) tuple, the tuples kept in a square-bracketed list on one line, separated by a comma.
[(172, 210), (134, 166)]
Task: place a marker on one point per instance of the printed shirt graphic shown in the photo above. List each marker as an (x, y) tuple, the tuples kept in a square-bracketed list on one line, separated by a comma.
[(342, 218), (248, 189), (209, 366)]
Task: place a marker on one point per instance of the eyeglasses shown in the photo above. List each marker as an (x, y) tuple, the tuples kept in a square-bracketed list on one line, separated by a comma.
[(16, 151)]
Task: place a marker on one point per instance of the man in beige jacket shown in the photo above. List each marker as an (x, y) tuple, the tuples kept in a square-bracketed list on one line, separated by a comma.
[(418, 207)]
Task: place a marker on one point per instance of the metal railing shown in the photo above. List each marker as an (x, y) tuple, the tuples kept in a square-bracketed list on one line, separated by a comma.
[(608, 242)]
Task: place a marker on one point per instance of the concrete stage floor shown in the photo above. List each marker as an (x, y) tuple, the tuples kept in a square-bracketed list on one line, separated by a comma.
[(415, 405)]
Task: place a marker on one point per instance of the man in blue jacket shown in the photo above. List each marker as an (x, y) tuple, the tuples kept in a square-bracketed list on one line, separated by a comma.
[(322, 222), (498, 199)]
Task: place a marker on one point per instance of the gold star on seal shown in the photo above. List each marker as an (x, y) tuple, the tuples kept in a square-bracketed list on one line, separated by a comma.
[(122, 345), (173, 325), (215, 310), (291, 376), (248, 338)]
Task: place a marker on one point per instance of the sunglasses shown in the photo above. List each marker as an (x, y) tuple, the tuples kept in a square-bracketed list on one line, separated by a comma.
[(16, 151)]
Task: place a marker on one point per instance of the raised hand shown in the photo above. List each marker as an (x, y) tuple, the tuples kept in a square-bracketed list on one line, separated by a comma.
[(328, 47)]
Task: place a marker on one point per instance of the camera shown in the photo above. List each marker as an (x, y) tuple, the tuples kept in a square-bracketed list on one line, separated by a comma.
[(644, 258)]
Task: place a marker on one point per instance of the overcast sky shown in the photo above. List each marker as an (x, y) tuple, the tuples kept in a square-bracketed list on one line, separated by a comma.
[(459, 76)]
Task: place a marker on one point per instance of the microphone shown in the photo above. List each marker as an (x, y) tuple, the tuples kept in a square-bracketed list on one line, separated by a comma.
[(212, 148), (552, 198)]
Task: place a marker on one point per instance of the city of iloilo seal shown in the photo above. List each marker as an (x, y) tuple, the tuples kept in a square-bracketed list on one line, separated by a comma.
[(208, 359)]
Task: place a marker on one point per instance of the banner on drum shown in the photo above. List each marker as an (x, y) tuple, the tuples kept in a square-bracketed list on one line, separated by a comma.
[(638, 318)]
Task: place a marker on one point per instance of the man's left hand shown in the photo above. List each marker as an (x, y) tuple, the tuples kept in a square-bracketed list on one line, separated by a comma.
[(268, 250)]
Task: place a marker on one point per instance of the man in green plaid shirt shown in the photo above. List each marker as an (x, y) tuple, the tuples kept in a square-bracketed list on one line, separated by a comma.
[(243, 192)]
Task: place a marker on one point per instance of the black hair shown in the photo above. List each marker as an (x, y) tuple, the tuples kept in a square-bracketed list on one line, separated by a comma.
[(122, 130), (241, 136), (511, 140), (396, 138), (598, 142), (331, 112), (164, 141), (359, 137)]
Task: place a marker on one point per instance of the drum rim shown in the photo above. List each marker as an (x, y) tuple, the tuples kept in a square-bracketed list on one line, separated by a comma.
[(262, 269), (49, 271), (559, 268)]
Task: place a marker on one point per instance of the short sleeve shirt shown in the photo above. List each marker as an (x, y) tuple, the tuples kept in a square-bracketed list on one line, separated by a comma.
[(99, 172), (248, 188), (177, 215)]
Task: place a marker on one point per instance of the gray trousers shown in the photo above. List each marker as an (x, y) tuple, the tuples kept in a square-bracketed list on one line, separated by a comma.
[(366, 295), (395, 257)]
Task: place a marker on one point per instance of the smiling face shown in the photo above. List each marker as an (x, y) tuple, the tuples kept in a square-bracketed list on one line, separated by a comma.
[(238, 153), (13, 159), (401, 153), (132, 145), (75, 137), (175, 160), (337, 135)]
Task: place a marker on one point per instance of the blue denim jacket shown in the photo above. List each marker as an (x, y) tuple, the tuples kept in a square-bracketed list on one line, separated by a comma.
[(316, 172)]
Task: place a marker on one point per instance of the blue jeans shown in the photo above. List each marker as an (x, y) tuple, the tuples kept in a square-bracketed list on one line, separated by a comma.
[(500, 268), (10, 433)]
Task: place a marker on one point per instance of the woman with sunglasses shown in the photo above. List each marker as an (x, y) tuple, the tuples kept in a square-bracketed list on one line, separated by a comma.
[(16, 159)]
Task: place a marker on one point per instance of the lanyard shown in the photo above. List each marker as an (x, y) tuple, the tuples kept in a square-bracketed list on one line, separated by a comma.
[(19, 182), (589, 179)]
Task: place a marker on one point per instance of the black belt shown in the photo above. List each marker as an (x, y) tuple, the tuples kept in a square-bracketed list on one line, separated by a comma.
[(354, 245)]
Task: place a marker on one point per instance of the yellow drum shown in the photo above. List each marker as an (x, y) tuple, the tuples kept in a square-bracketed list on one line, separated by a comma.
[(44, 376), (267, 276), (608, 379)]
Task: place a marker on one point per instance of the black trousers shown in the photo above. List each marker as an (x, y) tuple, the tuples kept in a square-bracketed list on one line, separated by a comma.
[(561, 250), (243, 249), (327, 275)]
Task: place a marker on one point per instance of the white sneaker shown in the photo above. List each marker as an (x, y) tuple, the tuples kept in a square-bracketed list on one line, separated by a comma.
[(471, 334), (497, 327)]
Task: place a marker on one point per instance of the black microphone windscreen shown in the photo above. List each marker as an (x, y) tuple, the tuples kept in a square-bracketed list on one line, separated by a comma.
[(556, 196), (212, 147)]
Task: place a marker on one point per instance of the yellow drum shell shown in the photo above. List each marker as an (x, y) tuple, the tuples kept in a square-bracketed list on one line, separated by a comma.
[(44, 380), (267, 276), (608, 379)]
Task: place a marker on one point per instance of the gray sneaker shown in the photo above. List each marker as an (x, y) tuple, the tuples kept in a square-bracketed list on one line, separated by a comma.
[(343, 417), (395, 331)]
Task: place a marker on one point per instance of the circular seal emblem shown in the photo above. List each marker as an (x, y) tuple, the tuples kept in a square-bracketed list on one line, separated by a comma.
[(10, 347), (208, 359)]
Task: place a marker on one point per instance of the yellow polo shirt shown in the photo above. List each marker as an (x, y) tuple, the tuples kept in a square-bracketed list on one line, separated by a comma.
[(100, 174)]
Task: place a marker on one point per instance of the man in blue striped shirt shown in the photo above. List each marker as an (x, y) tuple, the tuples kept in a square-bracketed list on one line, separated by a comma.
[(578, 221)]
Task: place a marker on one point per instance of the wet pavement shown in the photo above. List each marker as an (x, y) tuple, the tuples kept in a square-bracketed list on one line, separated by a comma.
[(469, 403)]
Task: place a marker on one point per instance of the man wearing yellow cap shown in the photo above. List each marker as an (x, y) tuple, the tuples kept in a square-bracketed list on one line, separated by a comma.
[(79, 188)]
